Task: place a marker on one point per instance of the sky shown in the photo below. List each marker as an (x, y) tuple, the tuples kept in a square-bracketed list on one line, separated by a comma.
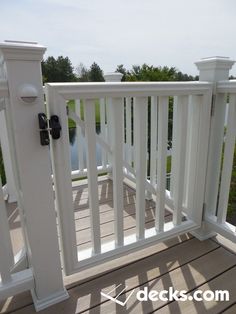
[(157, 32)]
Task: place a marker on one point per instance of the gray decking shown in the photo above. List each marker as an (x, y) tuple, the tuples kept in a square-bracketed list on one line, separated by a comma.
[(183, 263)]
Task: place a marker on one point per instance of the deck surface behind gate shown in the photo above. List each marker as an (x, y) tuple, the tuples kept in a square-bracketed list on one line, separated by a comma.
[(183, 263)]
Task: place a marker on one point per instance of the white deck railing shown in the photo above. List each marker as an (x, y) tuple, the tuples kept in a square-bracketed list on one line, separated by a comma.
[(199, 187), (216, 216), (192, 118), (12, 281)]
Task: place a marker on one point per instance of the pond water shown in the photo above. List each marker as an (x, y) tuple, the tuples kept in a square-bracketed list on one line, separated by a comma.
[(74, 149)]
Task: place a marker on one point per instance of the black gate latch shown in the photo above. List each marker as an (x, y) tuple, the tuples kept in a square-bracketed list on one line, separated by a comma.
[(51, 125)]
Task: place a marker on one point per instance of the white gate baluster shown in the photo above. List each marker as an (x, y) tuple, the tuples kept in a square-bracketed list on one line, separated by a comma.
[(90, 135), (178, 158), (79, 137)]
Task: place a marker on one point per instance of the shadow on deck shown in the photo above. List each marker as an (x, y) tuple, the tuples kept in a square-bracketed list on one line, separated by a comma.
[(183, 263)]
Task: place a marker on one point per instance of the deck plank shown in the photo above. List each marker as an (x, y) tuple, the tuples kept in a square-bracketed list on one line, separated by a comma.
[(222, 282), (87, 295), (230, 310), (187, 277), (182, 262), (24, 299)]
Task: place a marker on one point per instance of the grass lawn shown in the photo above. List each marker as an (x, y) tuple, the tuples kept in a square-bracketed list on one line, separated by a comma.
[(71, 105), (232, 193), (168, 164)]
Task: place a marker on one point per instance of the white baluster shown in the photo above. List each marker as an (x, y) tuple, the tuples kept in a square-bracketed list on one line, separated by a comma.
[(79, 137), (153, 153), (128, 130), (110, 77), (161, 161), (178, 158), (117, 119), (140, 139), (90, 136), (173, 145), (103, 130)]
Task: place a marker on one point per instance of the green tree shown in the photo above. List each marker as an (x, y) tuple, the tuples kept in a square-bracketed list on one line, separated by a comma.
[(121, 69), (95, 73), (147, 72), (82, 73), (58, 70)]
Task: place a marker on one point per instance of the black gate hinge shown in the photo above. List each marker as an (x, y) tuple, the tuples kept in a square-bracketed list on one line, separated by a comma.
[(46, 125)]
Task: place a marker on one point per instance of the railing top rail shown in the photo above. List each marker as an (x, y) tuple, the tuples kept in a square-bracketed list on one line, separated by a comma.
[(226, 86), (124, 89)]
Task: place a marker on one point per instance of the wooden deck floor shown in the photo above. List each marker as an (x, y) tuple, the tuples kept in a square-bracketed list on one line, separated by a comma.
[(183, 263)]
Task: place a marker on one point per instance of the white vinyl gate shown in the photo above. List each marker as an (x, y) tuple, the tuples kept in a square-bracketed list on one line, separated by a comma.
[(134, 136), (192, 104)]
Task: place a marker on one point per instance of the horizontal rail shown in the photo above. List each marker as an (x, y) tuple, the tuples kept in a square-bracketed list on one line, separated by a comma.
[(76, 174), (109, 251), (20, 282), (81, 123), (226, 86), (125, 89)]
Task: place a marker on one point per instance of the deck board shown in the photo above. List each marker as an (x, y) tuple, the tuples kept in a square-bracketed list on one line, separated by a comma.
[(182, 262)]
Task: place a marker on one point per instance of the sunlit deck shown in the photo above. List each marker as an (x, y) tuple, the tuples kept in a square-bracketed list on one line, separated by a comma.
[(183, 263)]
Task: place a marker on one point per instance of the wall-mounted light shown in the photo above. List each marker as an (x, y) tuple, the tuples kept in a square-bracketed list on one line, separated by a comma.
[(27, 93)]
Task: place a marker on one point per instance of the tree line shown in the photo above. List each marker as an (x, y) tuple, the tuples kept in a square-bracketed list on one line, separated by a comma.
[(61, 70)]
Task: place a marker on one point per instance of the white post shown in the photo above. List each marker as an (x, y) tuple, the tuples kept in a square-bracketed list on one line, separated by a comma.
[(213, 70), (23, 67), (110, 77)]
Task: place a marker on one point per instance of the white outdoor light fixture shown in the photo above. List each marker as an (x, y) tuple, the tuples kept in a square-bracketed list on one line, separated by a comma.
[(27, 93)]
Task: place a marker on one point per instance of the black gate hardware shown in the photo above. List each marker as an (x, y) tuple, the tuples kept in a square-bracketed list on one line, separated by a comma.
[(51, 125)]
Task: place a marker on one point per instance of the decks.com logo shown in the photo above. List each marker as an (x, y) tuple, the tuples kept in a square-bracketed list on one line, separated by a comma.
[(165, 295)]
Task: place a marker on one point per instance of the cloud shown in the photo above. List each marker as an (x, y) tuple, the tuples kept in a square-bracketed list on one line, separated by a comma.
[(173, 33)]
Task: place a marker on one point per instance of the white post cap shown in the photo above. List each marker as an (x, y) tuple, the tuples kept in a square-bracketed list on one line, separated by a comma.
[(20, 50), (214, 69), (113, 77)]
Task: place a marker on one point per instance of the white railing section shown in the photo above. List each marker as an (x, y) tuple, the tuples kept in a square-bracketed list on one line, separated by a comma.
[(10, 283), (185, 216), (134, 130), (217, 218)]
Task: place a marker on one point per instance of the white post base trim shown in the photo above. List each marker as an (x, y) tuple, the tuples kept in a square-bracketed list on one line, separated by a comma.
[(203, 233), (9, 196), (50, 300), (5, 192)]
